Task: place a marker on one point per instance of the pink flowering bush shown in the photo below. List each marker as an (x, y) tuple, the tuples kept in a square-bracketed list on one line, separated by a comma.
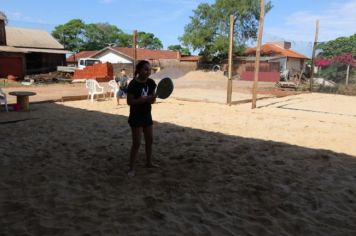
[(322, 62), (345, 58)]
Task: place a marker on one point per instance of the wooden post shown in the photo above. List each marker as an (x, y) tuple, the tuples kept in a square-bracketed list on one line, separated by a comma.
[(301, 74), (75, 59), (134, 42), (313, 55), (64, 40), (231, 45), (258, 52), (347, 75)]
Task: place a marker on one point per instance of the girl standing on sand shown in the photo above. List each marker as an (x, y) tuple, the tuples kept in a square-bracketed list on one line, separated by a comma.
[(140, 96)]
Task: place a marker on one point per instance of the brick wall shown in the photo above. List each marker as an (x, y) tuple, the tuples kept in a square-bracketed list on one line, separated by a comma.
[(101, 72)]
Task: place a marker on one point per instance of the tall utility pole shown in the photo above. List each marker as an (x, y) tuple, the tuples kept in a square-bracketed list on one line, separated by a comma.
[(258, 52), (231, 46), (313, 55), (134, 42)]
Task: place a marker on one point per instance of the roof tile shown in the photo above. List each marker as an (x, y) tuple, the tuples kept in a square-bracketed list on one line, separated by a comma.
[(273, 49), (82, 54), (149, 54)]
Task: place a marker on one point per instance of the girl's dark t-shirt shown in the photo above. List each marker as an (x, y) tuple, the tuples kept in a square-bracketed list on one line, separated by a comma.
[(140, 114)]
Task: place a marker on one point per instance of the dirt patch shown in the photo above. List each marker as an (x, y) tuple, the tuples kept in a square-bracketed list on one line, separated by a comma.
[(173, 73), (202, 75)]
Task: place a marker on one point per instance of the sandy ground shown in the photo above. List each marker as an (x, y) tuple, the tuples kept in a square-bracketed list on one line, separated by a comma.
[(191, 86), (285, 168)]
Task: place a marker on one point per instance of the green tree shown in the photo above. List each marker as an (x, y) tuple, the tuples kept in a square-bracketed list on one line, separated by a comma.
[(208, 30), (75, 35), (182, 50), (338, 46), (100, 35), (124, 40), (148, 40), (71, 34)]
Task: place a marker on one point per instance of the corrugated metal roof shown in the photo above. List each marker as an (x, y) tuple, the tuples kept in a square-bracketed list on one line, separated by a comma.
[(274, 49), (55, 51), (27, 50), (30, 38), (11, 49)]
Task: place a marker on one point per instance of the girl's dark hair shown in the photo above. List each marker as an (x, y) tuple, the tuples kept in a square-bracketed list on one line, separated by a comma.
[(139, 66)]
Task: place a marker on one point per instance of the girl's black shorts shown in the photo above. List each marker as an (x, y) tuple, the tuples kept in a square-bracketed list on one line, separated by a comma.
[(140, 121)]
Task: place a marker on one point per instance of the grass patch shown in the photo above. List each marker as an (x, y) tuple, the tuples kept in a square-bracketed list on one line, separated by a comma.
[(9, 83)]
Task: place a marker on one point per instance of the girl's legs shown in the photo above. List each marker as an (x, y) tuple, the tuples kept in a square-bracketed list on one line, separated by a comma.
[(148, 133), (118, 97), (136, 141)]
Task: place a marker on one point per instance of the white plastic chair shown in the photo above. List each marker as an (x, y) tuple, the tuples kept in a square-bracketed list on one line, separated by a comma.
[(114, 88), (3, 99), (94, 88)]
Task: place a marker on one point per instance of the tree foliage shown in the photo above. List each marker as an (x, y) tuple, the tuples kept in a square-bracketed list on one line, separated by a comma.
[(76, 36), (124, 40), (179, 48), (100, 35), (71, 34), (148, 40), (335, 72), (338, 46), (335, 68), (208, 30)]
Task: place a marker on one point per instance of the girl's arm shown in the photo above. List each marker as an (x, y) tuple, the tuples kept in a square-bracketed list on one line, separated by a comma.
[(132, 101), (154, 96)]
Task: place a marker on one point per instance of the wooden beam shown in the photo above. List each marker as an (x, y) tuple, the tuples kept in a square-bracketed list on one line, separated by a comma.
[(258, 52), (313, 55), (134, 45), (231, 46)]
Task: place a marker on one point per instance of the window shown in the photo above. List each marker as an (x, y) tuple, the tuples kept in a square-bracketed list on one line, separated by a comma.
[(91, 62)]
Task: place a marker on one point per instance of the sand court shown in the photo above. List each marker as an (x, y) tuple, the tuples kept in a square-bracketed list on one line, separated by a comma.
[(225, 170), (343, 105)]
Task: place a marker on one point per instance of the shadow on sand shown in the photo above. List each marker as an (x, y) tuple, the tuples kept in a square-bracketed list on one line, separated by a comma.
[(64, 173)]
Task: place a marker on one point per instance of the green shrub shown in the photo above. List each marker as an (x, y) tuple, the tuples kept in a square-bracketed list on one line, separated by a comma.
[(9, 83)]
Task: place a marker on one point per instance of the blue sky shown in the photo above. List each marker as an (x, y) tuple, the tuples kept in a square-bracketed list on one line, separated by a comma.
[(292, 20)]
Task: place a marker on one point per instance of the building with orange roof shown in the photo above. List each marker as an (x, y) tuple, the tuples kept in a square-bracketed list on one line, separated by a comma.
[(277, 60), (289, 60)]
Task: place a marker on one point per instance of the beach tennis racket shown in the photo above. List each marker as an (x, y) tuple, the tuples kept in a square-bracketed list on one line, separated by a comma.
[(164, 88)]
